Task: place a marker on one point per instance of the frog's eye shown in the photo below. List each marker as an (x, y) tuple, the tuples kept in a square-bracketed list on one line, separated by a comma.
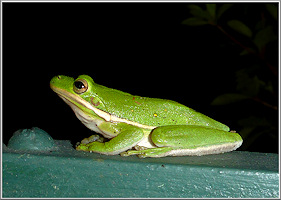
[(80, 86)]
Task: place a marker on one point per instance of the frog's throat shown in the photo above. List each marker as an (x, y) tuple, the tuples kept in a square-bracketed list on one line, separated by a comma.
[(103, 114)]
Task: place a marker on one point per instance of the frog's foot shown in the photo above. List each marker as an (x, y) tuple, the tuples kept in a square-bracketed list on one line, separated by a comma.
[(90, 139), (87, 142), (139, 148), (154, 152), (83, 147)]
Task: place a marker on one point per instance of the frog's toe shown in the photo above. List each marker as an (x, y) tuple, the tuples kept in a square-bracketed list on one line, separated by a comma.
[(129, 153), (125, 154), (92, 138), (142, 155), (139, 148), (82, 147)]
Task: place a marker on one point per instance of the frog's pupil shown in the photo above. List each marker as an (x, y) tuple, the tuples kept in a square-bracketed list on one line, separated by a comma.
[(79, 85)]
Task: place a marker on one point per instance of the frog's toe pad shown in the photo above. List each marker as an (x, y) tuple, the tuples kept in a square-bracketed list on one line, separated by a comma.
[(139, 148), (82, 147), (130, 152), (92, 138)]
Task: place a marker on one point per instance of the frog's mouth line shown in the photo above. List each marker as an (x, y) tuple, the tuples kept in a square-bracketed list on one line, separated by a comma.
[(74, 98), (106, 116)]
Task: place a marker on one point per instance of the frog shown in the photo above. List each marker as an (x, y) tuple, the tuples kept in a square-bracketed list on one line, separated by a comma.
[(141, 126)]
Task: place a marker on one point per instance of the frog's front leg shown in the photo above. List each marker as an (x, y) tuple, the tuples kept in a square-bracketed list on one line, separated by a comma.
[(127, 136), (180, 140)]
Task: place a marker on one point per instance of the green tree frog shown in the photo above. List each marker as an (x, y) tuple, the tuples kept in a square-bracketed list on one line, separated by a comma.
[(135, 125)]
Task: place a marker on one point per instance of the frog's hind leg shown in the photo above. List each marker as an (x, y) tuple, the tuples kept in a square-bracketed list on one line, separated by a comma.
[(195, 140), (181, 140)]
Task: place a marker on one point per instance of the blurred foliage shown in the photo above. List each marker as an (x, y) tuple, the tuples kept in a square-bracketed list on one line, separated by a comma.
[(253, 28)]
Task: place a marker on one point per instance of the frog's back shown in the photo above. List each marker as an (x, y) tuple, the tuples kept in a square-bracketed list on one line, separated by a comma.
[(153, 111)]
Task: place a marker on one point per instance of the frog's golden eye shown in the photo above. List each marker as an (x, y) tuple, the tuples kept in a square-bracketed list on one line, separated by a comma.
[(80, 86)]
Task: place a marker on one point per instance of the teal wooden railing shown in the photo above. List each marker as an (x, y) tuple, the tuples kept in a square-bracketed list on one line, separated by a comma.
[(65, 172)]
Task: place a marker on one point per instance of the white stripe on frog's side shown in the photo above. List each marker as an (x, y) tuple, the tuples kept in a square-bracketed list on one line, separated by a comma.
[(200, 151), (106, 116)]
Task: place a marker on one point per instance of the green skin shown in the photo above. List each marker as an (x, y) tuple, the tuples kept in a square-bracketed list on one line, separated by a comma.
[(134, 125)]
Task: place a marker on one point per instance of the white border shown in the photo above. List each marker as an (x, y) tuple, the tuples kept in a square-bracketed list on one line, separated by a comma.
[(129, 1)]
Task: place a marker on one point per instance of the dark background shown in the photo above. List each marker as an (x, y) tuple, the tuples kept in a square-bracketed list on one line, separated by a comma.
[(140, 48)]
